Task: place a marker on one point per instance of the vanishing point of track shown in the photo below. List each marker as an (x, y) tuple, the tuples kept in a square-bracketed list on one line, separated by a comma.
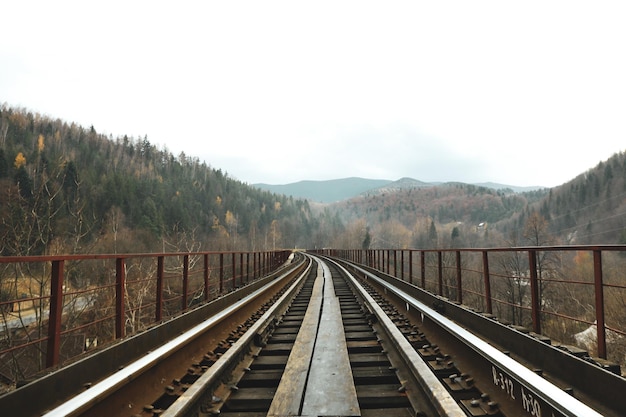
[(323, 338)]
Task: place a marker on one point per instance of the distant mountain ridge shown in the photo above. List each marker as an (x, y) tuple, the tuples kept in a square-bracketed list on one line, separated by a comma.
[(330, 191)]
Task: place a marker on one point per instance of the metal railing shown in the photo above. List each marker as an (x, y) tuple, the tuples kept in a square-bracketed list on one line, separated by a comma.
[(573, 294), (54, 308)]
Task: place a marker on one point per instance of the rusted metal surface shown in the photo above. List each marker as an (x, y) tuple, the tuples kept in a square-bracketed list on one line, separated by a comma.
[(56, 312), (120, 286), (80, 404), (507, 370), (63, 310), (487, 278), (441, 400), (289, 395), (599, 298), (533, 274), (534, 291), (196, 397), (450, 277), (586, 381), (330, 389), (285, 376), (59, 308)]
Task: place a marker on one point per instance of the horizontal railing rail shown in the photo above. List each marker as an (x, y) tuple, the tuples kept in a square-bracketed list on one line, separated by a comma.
[(54, 308), (573, 294)]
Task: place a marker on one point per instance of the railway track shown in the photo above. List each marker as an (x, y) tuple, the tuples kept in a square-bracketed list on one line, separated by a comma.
[(326, 375), (324, 356), (317, 340)]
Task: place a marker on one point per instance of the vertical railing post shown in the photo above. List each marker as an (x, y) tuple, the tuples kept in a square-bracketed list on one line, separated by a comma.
[(395, 263), (381, 259), (247, 267), (55, 314), (423, 268), (158, 313), (241, 274), (234, 268), (487, 281), (440, 271), (120, 284), (402, 265), (459, 276), (599, 292), (205, 275), (384, 258), (221, 273), (263, 263), (185, 301), (388, 261), (534, 291), (411, 266)]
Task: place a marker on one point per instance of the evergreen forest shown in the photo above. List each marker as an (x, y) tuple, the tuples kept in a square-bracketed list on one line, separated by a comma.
[(66, 189)]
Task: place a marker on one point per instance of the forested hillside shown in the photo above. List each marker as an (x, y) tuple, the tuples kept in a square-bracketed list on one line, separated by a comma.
[(590, 209), (325, 191), (451, 214), (65, 188)]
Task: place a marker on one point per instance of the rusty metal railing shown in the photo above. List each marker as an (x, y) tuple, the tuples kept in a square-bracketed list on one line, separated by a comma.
[(53, 308), (573, 294)]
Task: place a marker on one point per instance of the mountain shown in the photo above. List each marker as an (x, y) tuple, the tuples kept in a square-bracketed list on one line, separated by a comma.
[(589, 209), (399, 185), (325, 191), (68, 189), (514, 188), (332, 191)]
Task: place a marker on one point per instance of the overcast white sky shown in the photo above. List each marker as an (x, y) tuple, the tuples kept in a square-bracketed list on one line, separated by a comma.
[(520, 93)]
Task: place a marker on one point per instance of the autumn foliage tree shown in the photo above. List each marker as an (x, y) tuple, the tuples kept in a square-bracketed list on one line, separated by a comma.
[(72, 179)]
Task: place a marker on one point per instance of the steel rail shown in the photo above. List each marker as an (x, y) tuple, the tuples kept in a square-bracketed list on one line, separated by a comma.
[(193, 396), (101, 390), (430, 384), (558, 399)]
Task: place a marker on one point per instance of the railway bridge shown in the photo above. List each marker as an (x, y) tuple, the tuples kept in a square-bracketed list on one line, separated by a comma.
[(525, 331)]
